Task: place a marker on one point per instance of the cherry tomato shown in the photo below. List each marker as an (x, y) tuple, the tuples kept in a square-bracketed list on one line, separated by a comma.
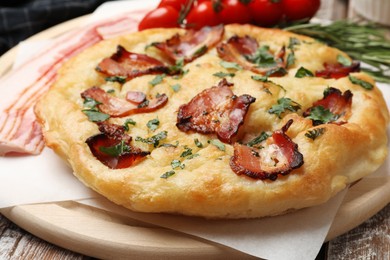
[(201, 15), (300, 9), (161, 17), (177, 4), (266, 12), (233, 11)]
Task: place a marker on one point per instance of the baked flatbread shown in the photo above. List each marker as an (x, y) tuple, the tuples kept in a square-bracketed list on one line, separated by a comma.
[(226, 122)]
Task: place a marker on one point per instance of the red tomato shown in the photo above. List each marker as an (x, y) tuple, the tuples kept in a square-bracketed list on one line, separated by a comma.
[(177, 4), (162, 17), (300, 9), (266, 12), (233, 11), (201, 15)]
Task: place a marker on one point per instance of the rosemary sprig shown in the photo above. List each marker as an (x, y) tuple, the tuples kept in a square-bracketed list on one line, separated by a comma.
[(365, 42)]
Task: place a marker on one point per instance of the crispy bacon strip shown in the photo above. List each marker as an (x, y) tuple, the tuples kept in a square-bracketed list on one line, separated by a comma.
[(117, 107), (191, 45), (215, 110), (241, 49), (112, 147), (279, 155), (336, 102), (337, 71), (130, 65)]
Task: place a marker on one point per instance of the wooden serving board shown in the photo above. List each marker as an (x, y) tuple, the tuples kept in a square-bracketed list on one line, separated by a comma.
[(102, 234)]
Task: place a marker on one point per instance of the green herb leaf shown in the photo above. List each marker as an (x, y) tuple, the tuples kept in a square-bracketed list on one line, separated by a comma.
[(313, 134), (110, 91), (128, 122), (290, 59), (187, 152), (95, 116), (223, 74), (260, 78), (279, 70), (262, 58), (344, 60), (283, 105), (362, 83), (153, 124), (176, 87), (177, 164), (198, 143), (193, 156), (302, 72), (119, 79), (262, 137), (217, 144), (202, 50), (230, 65), (292, 43), (320, 115), (155, 139), (167, 174), (116, 150), (90, 103), (157, 80)]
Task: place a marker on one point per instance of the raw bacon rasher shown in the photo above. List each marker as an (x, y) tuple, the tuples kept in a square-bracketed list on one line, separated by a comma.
[(22, 87)]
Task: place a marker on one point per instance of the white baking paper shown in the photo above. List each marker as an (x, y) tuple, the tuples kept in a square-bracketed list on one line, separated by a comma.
[(46, 178)]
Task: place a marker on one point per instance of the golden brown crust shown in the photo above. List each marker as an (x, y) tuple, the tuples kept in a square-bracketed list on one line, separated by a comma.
[(207, 186)]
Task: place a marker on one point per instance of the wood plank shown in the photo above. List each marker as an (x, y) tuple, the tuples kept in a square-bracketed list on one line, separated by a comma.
[(18, 244), (370, 240)]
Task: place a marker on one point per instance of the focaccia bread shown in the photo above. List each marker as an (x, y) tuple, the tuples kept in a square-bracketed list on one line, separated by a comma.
[(225, 122)]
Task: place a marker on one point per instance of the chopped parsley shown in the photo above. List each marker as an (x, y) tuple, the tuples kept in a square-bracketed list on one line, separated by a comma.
[(167, 174), (293, 42), (262, 137), (153, 124), (313, 134), (217, 144), (320, 115), (344, 60), (91, 103), (260, 78), (283, 105), (95, 116), (110, 91), (187, 152), (177, 164), (157, 80), (119, 79), (198, 143), (176, 87), (280, 70), (362, 83), (128, 122), (262, 58), (170, 145), (290, 59), (302, 72), (230, 65), (224, 74), (202, 50), (155, 139), (116, 150)]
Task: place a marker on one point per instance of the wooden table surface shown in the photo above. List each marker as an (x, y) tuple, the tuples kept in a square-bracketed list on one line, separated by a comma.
[(370, 240)]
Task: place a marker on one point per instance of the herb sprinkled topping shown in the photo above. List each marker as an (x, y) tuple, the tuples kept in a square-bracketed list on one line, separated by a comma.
[(344, 60), (320, 115), (362, 83), (153, 124), (119, 79), (198, 143), (157, 80), (217, 144), (262, 137), (283, 105), (223, 74), (313, 134), (154, 140), (176, 87), (116, 150), (230, 65), (128, 122), (167, 174), (302, 72)]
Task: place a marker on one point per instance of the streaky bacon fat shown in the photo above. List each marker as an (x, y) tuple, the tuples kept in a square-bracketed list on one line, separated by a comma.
[(215, 110), (117, 107), (114, 137), (239, 49), (338, 70), (192, 44), (336, 102), (278, 156), (130, 64)]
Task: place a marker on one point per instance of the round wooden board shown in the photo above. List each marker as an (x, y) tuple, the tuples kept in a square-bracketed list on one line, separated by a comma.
[(102, 234)]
